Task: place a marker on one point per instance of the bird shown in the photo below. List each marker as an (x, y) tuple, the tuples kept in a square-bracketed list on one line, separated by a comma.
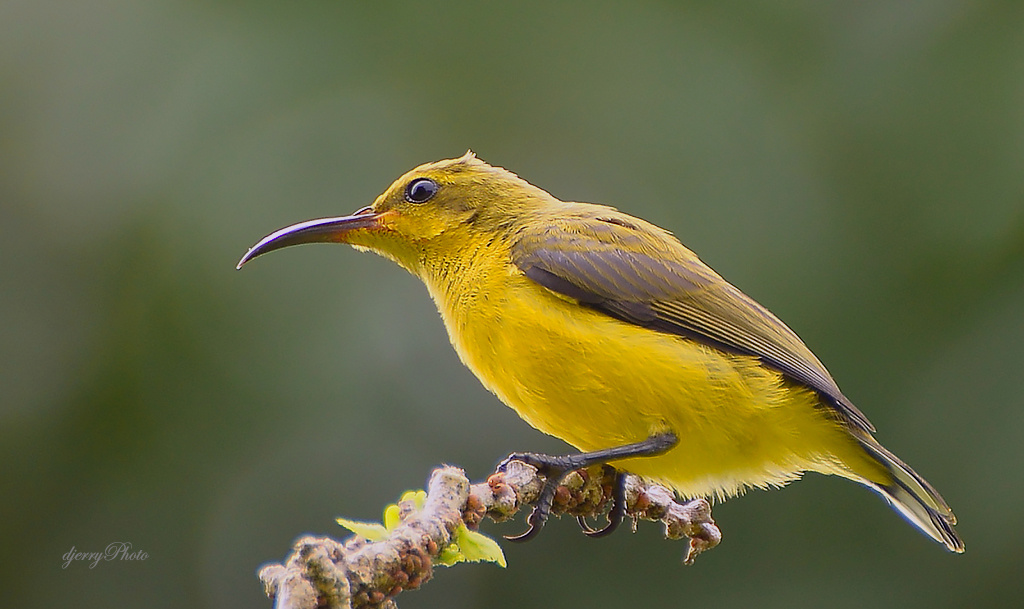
[(604, 330)]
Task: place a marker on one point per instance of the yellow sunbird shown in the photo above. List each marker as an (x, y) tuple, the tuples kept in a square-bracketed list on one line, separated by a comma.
[(605, 331)]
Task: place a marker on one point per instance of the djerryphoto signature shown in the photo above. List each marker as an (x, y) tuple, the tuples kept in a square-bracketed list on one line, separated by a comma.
[(119, 550)]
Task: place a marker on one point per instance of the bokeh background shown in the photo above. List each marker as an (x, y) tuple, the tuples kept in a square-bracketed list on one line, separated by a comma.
[(857, 167)]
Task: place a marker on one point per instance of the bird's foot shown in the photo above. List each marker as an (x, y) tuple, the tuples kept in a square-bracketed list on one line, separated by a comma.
[(554, 468)]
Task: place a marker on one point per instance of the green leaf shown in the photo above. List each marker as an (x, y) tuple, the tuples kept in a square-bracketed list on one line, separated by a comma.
[(392, 517), (372, 531), (466, 545), (418, 498), (477, 547), (450, 555)]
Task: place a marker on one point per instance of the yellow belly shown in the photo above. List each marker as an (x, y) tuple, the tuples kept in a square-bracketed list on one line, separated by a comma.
[(597, 382)]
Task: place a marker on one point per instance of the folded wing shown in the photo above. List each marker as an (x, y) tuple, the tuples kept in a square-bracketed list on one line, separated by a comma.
[(640, 274)]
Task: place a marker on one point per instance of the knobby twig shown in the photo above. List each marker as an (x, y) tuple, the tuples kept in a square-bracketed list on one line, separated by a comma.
[(356, 574)]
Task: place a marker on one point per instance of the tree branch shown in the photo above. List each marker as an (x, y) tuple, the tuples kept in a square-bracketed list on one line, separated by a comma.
[(356, 573)]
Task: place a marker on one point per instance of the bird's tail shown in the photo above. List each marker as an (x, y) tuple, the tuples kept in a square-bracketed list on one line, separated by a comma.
[(912, 496)]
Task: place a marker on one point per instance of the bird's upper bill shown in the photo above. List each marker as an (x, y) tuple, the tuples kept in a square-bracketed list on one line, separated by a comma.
[(322, 230)]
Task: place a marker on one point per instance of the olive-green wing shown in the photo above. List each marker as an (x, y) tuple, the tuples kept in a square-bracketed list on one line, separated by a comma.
[(638, 273)]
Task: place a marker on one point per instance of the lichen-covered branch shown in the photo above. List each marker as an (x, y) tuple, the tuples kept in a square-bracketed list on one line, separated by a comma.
[(356, 573)]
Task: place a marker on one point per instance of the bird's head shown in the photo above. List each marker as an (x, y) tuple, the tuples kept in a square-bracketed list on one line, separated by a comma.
[(430, 211)]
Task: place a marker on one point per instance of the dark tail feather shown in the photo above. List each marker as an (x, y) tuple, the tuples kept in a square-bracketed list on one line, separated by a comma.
[(912, 496)]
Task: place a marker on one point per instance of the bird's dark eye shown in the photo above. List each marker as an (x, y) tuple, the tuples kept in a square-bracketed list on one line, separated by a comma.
[(420, 190)]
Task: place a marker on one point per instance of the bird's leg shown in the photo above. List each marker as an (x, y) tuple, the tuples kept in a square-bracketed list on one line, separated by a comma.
[(553, 468), (615, 514)]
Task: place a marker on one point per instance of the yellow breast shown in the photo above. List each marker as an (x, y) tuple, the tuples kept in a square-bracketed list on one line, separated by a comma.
[(597, 382)]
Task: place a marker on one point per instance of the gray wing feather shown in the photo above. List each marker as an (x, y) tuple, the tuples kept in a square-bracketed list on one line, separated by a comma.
[(640, 274)]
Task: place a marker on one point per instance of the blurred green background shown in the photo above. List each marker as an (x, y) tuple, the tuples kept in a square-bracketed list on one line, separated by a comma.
[(856, 167)]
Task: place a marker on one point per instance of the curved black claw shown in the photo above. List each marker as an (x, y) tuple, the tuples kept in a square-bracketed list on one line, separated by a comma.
[(616, 514), (541, 510), (587, 529)]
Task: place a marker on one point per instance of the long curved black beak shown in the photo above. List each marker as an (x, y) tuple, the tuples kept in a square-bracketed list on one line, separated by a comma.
[(322, 230)]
